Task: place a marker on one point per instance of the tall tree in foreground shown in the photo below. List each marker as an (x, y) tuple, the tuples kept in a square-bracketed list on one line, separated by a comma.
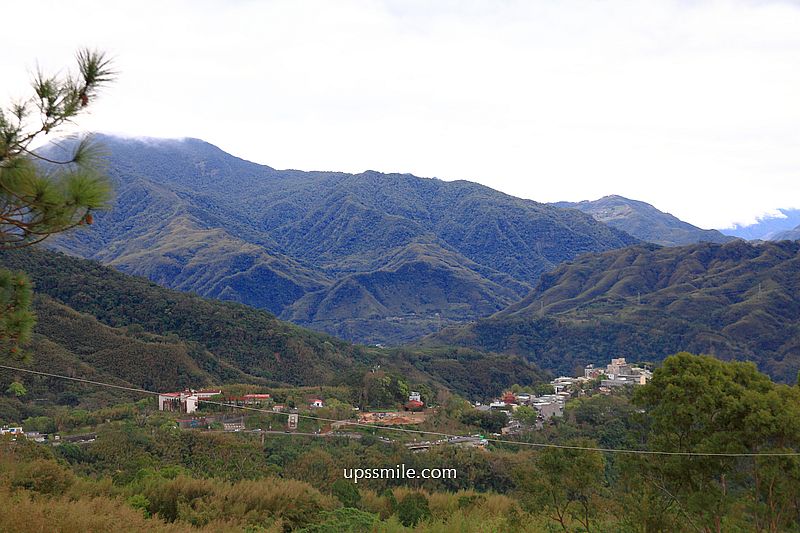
[(701, 404), (41, 195)]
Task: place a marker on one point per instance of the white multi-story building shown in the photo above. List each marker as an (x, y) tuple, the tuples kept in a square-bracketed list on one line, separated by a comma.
[(184, 401)]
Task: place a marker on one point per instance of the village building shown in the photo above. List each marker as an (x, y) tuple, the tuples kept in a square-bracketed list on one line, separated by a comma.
[(618, 373), (184, 401), (256, 399), (621, 374), (590, 372), (36, 436), (234, 424), (250, 400), (177, 402), (548, 410), (549, 405), (618, 367), (316, 402), (563, 383)]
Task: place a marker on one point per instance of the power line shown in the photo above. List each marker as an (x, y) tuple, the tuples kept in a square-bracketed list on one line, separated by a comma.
[(423, 432)]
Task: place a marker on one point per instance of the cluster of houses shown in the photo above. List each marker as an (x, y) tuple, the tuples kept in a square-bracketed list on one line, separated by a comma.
[(188, 400), (547, 405), (617, 373), (50, 438), (17, 431), (11, 430)]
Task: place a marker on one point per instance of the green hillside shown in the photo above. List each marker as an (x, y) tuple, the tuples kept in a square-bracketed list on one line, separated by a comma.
[(374, 258), (99, 323), (645, 222), (735, 301)]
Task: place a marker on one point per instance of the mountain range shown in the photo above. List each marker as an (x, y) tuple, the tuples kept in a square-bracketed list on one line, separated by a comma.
[(502, 286), (645, 222), (735, 300), (370, 257)]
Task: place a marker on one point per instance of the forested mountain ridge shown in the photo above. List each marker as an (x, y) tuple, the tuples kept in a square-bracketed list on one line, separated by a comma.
[(96, 322), (735, 301), (645, 222), (409, 253)]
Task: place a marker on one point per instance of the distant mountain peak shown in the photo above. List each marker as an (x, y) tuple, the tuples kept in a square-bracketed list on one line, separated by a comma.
[(789, 235), (644, 221)]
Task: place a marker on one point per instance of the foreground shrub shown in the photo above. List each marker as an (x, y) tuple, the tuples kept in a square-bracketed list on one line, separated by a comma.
[(261, 502), (44, 476)]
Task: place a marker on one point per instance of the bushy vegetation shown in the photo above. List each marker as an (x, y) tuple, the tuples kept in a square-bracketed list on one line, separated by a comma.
[(143, 470)]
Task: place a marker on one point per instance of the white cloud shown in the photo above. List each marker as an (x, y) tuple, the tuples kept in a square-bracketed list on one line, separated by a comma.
[(691, 106)]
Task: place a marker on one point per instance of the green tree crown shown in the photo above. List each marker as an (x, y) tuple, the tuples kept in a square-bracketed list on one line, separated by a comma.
[(42, 194)]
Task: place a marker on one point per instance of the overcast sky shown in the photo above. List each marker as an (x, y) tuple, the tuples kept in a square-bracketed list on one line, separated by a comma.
[(691, 106)]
